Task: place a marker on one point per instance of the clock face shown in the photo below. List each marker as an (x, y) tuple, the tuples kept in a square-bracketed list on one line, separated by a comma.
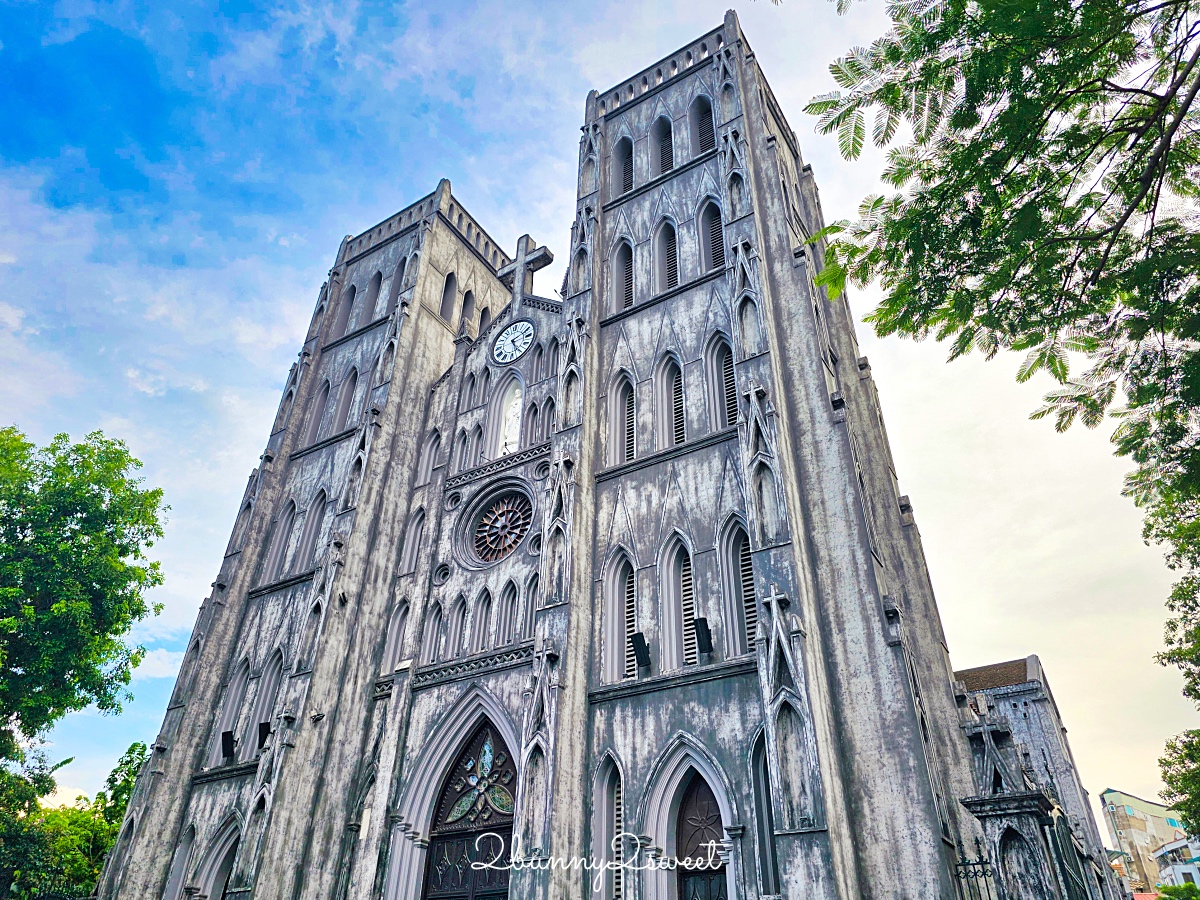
[(513, 341)]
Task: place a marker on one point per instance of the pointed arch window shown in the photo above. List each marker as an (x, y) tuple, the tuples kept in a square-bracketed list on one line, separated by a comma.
[(481, 626), (315, 414), (412, 542), (454, 628), (313, 520), (508, 419), (609, 823), (235, 695), (485, 387), (623, 276), (768, 864), (579, 271), (342, 322), (449, 295), (393, 649), (666, 258), (552, 358), (468, 307), (750, 326), (468, 392), (724, 384), (485, 319), (704, 137), (476, 455), (506, 615), (623, 167), (533, 599), (712, 238), (373, 294), (737, 196), (433, 631), (273, 567), (429, 454), (549, 419), (624, 418), (180, 864), (532, 432), (345, 401), (739, 569), (663, 141), (671, 412), (462, 451), (767, 503), (396, 287), (622, 622), (258, 729), (681, 607)]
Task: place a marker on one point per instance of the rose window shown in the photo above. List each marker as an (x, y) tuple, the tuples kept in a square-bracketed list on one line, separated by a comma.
[(503, 526)]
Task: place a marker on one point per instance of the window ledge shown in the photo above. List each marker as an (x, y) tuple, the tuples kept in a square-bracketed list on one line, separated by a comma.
[(659, 179), (665, 295), (323, 443), (222, 773), (713, 437), (730, 668), (281, 583), (357, 332)]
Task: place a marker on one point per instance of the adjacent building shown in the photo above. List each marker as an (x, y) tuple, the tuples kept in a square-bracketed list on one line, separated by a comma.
[(1178, 862), (1139, 828), (618, 574)]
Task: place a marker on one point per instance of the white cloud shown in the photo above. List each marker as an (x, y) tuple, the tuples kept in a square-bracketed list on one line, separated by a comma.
[(159, 664)]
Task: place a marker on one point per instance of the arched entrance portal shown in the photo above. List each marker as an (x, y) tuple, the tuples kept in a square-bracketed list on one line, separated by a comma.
[(473, 822), (698, 836)]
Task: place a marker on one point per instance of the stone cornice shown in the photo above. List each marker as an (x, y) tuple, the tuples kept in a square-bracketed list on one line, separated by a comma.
[(665, 295), (325, 442), (282, 583), (660, 179), (730, 668), (222, 773), (508, 658), (642, 462), (498, 465), (346, 338)]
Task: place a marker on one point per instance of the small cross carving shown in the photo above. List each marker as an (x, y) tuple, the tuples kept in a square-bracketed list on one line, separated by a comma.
[(518, 274), (775, 598)]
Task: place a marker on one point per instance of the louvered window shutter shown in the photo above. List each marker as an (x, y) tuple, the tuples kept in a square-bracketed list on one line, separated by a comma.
[(677, 421), (672, 262), (749, 600), (728, 388), (687, 603), (618, 828), (666, 152), (630, 603), (716, 239), (629, 423), (627, 282), (627, 172), (708, 138)]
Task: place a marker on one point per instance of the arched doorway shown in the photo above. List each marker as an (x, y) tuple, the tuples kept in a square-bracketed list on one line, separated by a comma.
[(473, 822), (699, 834)]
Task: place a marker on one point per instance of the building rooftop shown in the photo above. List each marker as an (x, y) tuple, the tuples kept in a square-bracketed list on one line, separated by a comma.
[(997, 675)]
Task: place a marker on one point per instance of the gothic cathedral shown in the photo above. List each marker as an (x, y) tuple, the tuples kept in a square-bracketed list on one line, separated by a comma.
[(605, 595)]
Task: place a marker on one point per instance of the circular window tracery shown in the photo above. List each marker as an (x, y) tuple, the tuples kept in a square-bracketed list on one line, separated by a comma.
[(502, 526)]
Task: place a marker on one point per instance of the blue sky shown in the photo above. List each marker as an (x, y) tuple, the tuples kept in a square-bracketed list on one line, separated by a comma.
[(174, 182)]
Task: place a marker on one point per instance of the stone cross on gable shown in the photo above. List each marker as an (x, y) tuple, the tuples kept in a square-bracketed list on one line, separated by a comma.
[(518, 274)]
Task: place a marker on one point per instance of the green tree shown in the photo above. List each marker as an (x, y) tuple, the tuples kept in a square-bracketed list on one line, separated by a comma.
[(64, 847), (1045, 163), (74, 527), (1183, 891)]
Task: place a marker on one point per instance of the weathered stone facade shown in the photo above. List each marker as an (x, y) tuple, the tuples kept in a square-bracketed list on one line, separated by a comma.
[(629, 561)]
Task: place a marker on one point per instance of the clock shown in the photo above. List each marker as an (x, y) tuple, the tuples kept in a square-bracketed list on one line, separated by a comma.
[(513, 341)]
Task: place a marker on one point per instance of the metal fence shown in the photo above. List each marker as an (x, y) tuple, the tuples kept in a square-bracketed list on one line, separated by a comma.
[(974, 874)]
